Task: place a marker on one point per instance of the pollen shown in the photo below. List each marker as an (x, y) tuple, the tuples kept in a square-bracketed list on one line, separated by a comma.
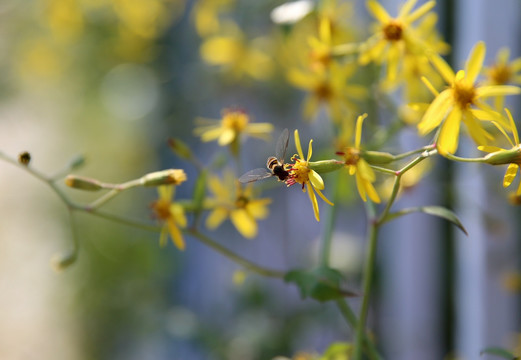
[(235, 119), (393, 31), (464, 94)]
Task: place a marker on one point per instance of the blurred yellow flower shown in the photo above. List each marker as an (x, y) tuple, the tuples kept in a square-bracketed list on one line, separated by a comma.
[(459, 101), (237, 203), (301, 173), (230, 127), (357, 166), (236, 55), (206, 15), (394, 37), (171, 214), (502, 72), (329, 88)]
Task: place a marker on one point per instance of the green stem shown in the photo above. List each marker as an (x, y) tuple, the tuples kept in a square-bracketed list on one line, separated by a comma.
[(368, 281), (261, 270), (414, 152), (351, 319), (460, 159), (330, 224)]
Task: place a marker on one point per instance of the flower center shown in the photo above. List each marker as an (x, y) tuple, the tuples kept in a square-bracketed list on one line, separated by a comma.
[(323, 92), (351, 156), (300, 171), (162, 209), (464, 94), (236, 120), (500, 74), (241, 202), (393, 31)]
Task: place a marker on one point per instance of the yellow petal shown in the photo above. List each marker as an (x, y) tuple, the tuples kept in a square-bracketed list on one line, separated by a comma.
[(445, 70), (497, 90), (475, 62), (489, 148), (325, 30), (323, 197), (316, 180), (513, 127), (165, 192), (220, 50), (478, 134), (310, 107), (258, 208), (352, 169), (301, 79), (406, 8), (227, 136), (510, 174), (358, 132), (211, 134), (436, 112), (371, 192), (297, 145), (314, 202), (448, 138), (310, 149), (178, 214), (429, 85), (378, 11), (216, 217), (393, 58), (175, 234), (244, 223), (365, 170), (418, 13), (360, 186)]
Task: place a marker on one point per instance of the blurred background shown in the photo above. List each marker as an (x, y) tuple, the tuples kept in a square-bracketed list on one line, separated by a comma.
[(115, 79)]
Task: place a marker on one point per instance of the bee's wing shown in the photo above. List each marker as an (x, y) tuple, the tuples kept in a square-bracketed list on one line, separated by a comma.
[(282, 145), (254, 175)]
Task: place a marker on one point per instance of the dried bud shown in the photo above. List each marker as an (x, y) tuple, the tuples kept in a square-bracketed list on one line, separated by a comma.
[(83, 183), (503, 157), (24, 158), (377, 157), (180, 148), (164, 177)]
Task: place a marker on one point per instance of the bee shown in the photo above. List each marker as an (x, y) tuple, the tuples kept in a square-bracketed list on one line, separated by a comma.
[(275, 164)]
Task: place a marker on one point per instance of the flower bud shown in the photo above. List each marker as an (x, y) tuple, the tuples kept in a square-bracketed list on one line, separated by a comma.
[(377, 157), (502, 157), (180, 148), (61, 262), (164, 177), (24, 158), (83, 183), (76, 161), (325, 166)]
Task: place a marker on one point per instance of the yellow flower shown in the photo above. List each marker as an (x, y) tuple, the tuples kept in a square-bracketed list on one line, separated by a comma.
[(459, 102), (503, 72), (357, 166), (228, 129), (237, 203), (511, 156), (236, 55), (171, 214), (329, 88), (206, 15), (301, 173), (394, 37)]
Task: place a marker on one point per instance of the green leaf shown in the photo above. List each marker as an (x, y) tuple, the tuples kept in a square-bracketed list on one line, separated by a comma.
[(505, 354), (431, 210), (322, 283)]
